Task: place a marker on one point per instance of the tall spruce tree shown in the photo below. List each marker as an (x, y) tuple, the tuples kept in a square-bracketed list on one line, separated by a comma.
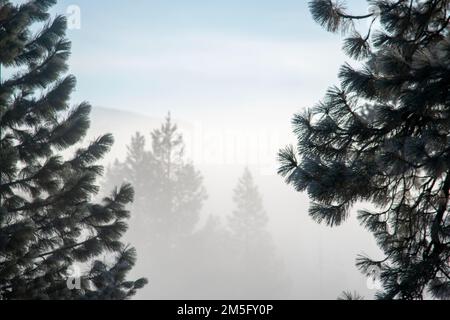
[(48, 223), (169, 190), (249, 220), (168, 201), (257, 272), (383, 136), (132, 170)]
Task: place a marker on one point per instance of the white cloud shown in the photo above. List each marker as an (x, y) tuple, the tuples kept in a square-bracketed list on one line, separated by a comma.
[(216, 56), (220, 80)]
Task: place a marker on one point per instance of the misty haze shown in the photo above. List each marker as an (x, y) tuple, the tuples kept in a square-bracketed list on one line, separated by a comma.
[(224, 150), (203, 254)]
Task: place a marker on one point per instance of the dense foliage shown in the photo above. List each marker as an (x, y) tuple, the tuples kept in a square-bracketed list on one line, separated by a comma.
[(382, 136), (49, 225)]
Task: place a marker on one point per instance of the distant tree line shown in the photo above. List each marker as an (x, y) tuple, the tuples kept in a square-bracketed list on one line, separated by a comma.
[(182, 257)]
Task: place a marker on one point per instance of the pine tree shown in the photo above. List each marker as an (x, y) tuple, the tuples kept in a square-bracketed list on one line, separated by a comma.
[(257, 272), (48, 222), (168, 202), (382, 136), (249, 219), (347, 296), (136, 158), (131, 170), (169, 190)]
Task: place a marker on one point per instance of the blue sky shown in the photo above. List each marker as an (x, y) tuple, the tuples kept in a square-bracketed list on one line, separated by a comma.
[(203, 59)]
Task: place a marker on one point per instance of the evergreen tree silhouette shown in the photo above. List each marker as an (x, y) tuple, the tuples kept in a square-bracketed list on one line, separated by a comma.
[(169, 190), (48, 222), (257, 272), (248, 220), (382, 136), (168, 202)]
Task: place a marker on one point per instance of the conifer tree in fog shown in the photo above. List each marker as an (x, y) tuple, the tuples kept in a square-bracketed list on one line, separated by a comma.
[(257, 269), (169, 190), (48, 223), (131, 170), (382, 136), (248, 220), (181, 193)]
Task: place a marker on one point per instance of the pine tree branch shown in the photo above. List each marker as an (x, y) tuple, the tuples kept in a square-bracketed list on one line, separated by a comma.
[(66, 248)]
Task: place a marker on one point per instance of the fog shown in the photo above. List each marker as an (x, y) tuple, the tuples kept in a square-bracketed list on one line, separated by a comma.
[(218, 222), (200, 256)]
